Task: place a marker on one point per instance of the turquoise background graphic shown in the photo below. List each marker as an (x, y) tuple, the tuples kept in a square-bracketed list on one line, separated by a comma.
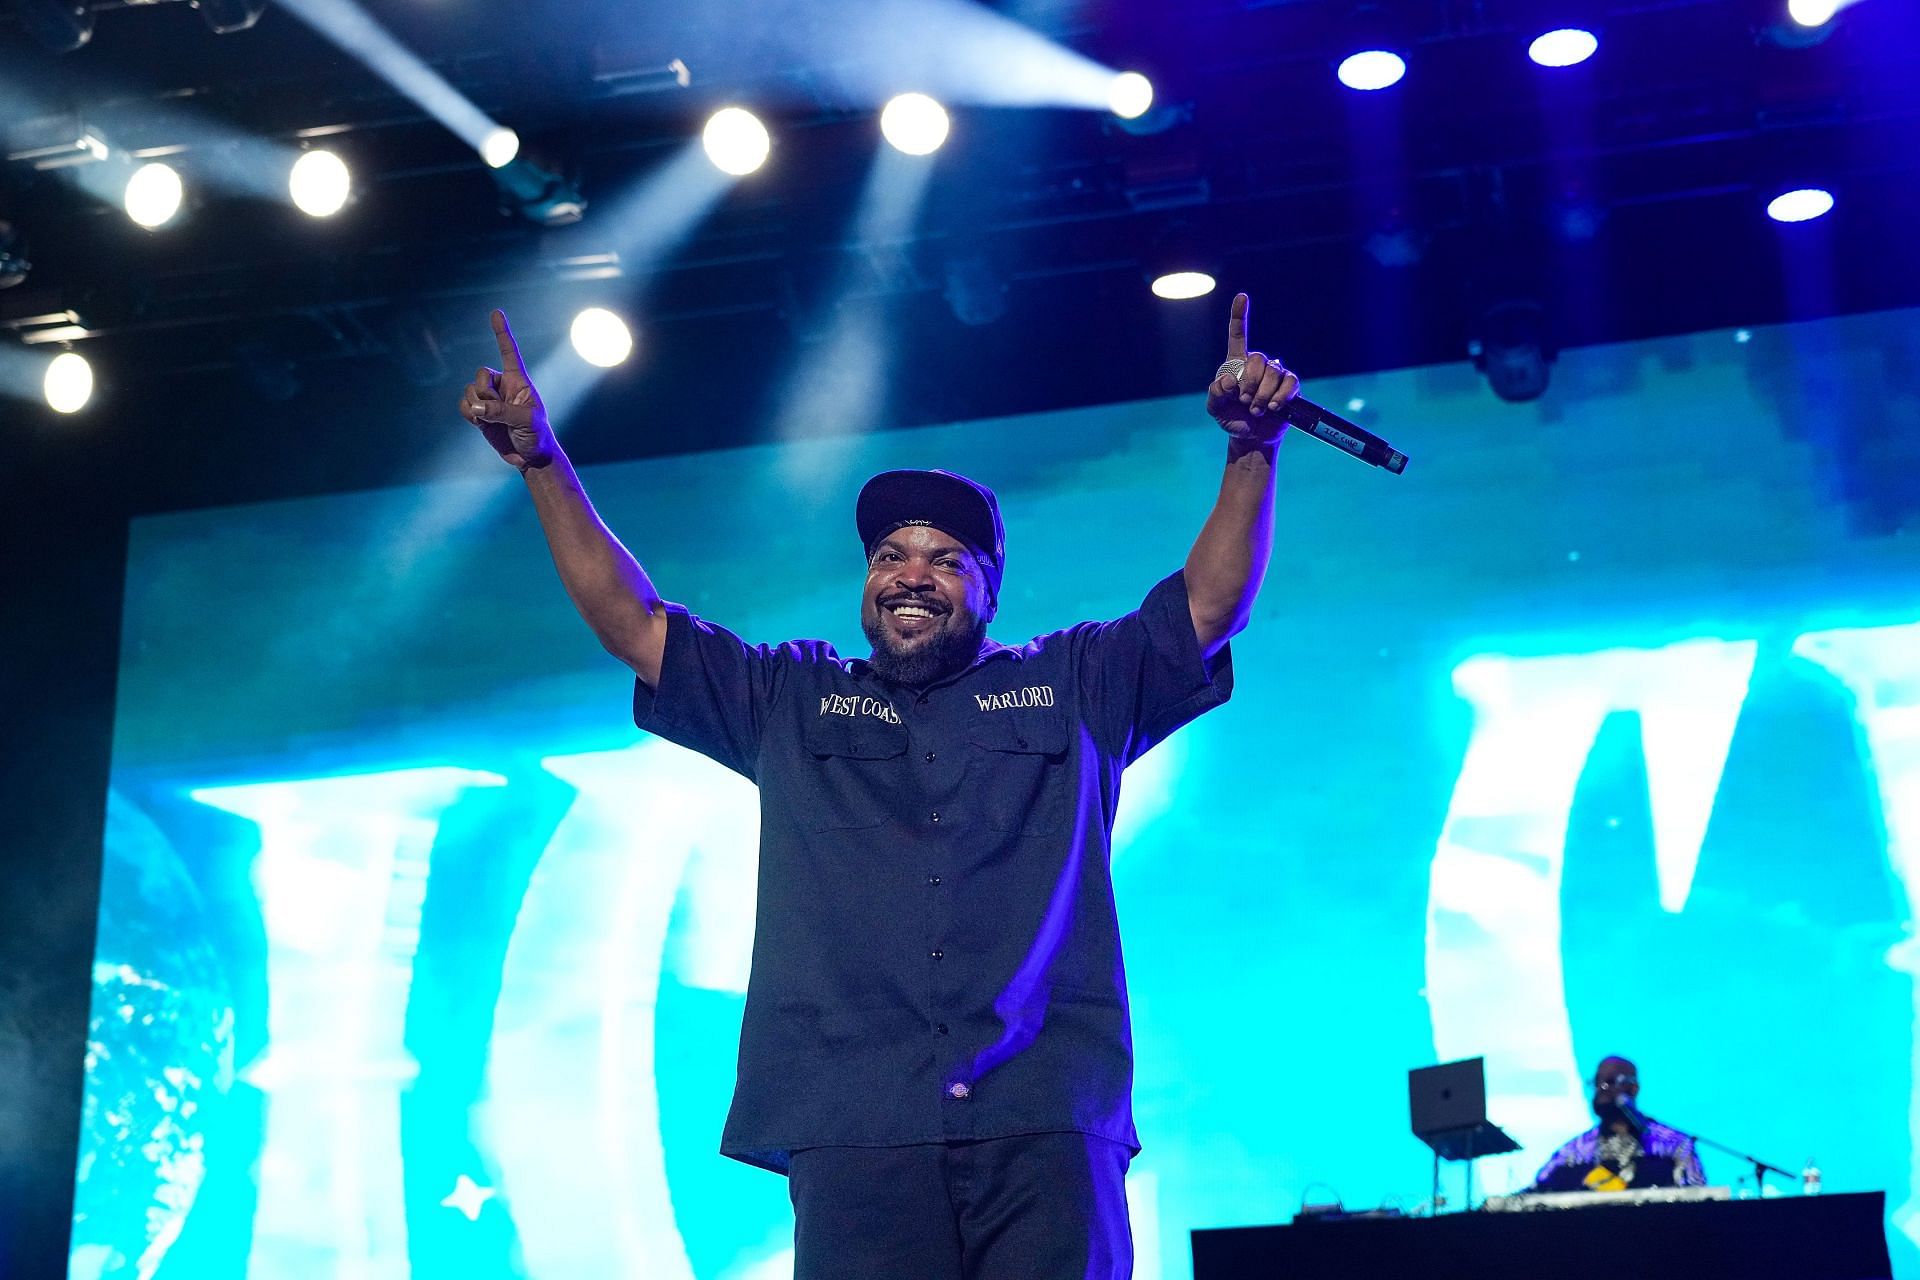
[(1597, 732)]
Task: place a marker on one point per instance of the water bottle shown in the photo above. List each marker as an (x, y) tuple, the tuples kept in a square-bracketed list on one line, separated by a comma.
[(1810, 1179)]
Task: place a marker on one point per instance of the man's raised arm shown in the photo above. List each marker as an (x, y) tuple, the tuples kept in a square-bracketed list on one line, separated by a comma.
[(1229, 558), (607, 585)]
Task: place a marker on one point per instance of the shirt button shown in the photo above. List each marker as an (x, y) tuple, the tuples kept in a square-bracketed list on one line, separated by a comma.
[(936, 954), (933, 879), (958, 1089), (929, 757), (921, 700), (936, 815), (939, 1028)]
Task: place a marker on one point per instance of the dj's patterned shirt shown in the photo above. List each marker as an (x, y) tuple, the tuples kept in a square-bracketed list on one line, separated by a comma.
[(1659, 1156)]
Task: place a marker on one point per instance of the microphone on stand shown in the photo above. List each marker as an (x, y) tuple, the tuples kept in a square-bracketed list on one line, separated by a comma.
[(1636, 1119)]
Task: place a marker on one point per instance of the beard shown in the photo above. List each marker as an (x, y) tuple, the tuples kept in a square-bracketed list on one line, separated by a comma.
[(919, 665)]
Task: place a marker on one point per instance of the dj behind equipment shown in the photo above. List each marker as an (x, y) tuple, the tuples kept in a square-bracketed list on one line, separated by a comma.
[(1624, 1149), (1649, 1171)]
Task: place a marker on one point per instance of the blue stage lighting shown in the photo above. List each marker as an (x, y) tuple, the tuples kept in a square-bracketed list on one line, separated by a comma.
[(68, 383), (1812, 13), (1801, 205), (1372, 69), (914, 124), (1564, 47), (1131, 95), (736, 141)]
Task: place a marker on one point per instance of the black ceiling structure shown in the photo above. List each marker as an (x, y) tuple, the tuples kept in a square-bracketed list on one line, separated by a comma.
[(246, 353), (1623, 196)]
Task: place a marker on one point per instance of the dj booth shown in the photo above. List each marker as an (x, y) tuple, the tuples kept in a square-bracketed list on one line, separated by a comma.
[(1831, 1237)]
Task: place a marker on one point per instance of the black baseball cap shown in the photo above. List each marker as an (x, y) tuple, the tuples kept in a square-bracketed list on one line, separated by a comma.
[(945, 501)]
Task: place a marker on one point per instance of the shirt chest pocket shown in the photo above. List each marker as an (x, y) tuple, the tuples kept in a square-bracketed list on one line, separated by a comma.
[(855, 766), (1018, 772)]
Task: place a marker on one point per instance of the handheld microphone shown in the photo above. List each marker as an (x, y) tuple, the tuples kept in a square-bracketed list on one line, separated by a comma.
[(1343, 434)]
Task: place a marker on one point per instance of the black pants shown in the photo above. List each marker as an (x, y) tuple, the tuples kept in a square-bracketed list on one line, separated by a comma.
[(1047, 1206)]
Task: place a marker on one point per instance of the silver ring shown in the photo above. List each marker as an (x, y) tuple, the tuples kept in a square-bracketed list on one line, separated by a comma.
[(1235, 366)]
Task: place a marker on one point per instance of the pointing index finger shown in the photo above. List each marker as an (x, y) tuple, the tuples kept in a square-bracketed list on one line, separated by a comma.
[(1237, 328), (509, 349)]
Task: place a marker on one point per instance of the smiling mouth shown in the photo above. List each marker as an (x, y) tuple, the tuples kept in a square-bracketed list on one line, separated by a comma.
[(912, 610)]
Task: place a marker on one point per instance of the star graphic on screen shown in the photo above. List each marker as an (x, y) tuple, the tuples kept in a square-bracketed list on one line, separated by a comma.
[(468, 1196)]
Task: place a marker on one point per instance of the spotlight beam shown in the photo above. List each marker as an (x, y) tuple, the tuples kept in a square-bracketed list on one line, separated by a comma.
[(351, 29), (62, 381), (859, 53), (642, 227), (841, 387), (210, 153)]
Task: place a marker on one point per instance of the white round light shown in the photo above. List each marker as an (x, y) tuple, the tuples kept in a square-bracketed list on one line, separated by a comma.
[(1812, 13), (1130, 95), (320, 184), (601, 337), (736, 141), (68, 384), (1372, 69), (1175, 285), (500, 147), (1803, 205), (153, 194), (1563, 48), (914, 123)]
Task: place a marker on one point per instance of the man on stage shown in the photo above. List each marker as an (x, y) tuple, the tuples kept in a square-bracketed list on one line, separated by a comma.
[(935, 1047), (1625, 1149)]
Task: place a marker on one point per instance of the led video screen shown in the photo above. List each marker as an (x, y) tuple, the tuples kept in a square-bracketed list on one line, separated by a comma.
[(1598, 731)]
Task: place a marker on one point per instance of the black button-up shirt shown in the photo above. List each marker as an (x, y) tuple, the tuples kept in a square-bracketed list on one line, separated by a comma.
[(936, 955)]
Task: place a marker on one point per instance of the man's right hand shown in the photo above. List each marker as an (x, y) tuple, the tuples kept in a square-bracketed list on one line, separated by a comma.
[(504, 405)]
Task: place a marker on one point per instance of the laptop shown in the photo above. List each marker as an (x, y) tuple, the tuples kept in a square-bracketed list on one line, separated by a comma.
[(1448, 1098)]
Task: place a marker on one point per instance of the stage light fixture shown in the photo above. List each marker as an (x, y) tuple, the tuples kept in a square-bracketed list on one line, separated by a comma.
[(914, 124), (1566, 47), (1512, 349), (1812, 13), (416, 347), (736, 141), (224, 17), (59, 25), (153, 195), (500, 147), (320, 184), (600, 337), (14, 266), (540, 195), (1131, 95), (1396, 241), (1177, 286), (1801, 205), (1372, 69), (974, 286), (1182, 263), (268, 371), (68, 383)]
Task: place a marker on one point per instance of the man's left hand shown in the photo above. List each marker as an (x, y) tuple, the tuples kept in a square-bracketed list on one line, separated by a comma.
[(1248, 405)]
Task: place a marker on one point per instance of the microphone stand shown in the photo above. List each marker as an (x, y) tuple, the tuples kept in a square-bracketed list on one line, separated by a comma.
[(1638, 1120), (1760, 1167)]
